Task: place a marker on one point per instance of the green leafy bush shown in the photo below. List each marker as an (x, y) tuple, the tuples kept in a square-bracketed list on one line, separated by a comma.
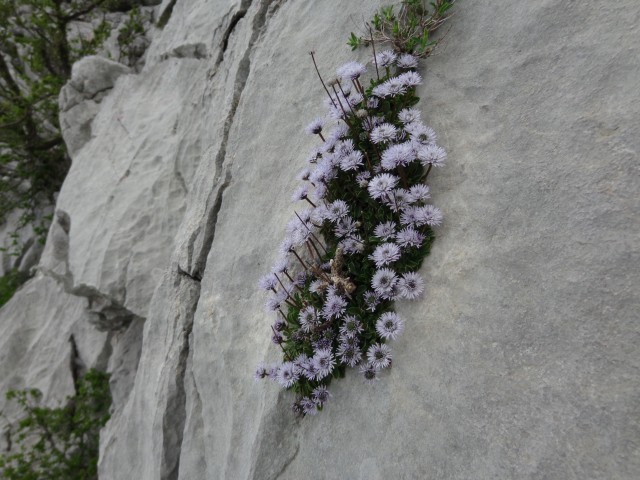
[(58, 443), (9, 283)]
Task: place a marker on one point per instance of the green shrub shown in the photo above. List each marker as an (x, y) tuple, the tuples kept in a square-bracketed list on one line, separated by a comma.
[(9, 283)]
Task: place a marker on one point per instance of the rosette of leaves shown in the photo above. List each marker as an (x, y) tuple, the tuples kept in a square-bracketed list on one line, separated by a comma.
[(366, 227)]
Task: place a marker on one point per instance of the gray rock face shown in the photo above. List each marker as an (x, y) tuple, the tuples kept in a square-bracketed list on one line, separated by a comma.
[(520, 361)]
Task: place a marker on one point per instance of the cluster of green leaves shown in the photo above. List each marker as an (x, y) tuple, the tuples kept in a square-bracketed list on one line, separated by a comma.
[(9, 283), (38, 46), (132, 30), (59, 443), (408, 29)]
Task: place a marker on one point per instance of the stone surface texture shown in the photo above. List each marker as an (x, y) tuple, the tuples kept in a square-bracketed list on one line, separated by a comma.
[(522, 359)]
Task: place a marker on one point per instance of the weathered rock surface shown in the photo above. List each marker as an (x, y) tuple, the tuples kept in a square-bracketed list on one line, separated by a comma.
[(522, 359)]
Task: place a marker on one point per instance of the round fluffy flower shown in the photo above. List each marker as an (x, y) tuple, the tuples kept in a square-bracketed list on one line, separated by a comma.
[(308, 406), (344, 147), (385, 230), (411, 285), (363, 178), (324, 362), (351, 326), (268, 282), (345, 227), (352, 244), (419, 193), (389, 326), (321, 395), (395, 86), (420, 133), (379, 355), (261, 371), (370, 373), (351, 70), (409, 237), (300, 193), (410, 79), (315, 127), (287, 374), (382, 184), (409, 115), (406, 60), (396, 155), (385, 254), (429, 215), (371, 300), (349, 354), (334, 306), (383, 133), (384, 281), (277, 338), (337, 210), (431, 154), (307, 318), (351, 161), (381, 90), (385, 58), (398, 199)]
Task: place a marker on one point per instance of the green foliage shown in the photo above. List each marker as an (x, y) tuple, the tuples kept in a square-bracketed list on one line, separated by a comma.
[(9, 283), (409, 29), (38, 47), (132, 30), (59, 443)]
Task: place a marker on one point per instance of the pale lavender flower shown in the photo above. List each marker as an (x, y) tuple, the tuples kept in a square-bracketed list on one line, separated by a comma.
[(322, 344), (261, 372), (280, 265), (384, 281), (334, 306), (379, 355), (272, 304), (349, 355), (310, 370), (344, 147), (409, 216), (279, 325), (373, 102), (385, 231), (337, 210), (307, 318), (351, 70), (341, 130), (277, 338), (320, 192), (268, 282), (273, 371), (363, 178), (301, 363), (385, 58), (346, 227), (397, 200), (321, 395), (419, 193), (355, 99), (351, 326), (308, 406), (300, 193), (286, 246), (389, 326), (420, 133), (382, 184), (395, 86), (385, 254), (351, 161), (406, 60), (396, 155), (316, 286), (409, 115), (410, 79), (287, 375), (432, 155), (383, 133), (352, 244), (371, 300), (370, 373), (409, 237), (411, 285), (381, 90), (315, 127), (429, 215), (324, 362)]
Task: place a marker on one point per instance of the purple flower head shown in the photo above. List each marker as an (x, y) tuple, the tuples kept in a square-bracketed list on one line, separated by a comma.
[(272, 304), (389, 326), (324, 362), (268, 282), (308, 406), (409, 237), (352, 244), (432, 155), (385, 254), (410, 79), (321, 395), (315, 127), (279, 325), (371, 299), (385, 58), (398, 200), (273, 371), (396, 155), (409, 115), (351, 70), (334, 307), (301, 362), (300, 193), (373, 102), (382, 184), (419, 193), (310, 370), (395, 86), (349, 355), (280, 265), (385, 231), (317, 286), (351, 161), (379, 355), (344, 147), (287, 375), (337, 210), (261, 372), (429, 215), (346, 226), (370, 373), (307, 318), (351, 327), (420, 133), (381, 91), (409, 216), (383, 133), (322, 344), (406, 60), (363, 178), (277, 338), (384, 281), (355, 99), (411, 285)]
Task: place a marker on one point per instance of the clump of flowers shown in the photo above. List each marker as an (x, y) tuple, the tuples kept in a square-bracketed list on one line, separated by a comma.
[(365, 225)]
